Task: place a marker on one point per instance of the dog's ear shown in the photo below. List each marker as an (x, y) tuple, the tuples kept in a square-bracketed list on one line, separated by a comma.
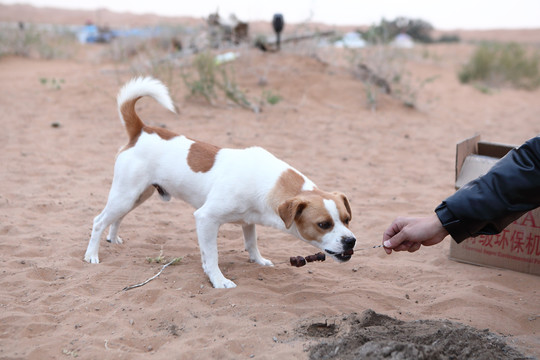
[(291, 210), (345, 202)]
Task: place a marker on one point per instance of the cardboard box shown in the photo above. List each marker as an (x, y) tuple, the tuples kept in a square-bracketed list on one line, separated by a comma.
[(518, 246)]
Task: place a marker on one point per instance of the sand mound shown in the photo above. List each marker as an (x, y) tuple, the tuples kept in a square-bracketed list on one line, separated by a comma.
[(374, 336)]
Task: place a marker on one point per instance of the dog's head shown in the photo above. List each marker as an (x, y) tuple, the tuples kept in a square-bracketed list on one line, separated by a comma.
[(321, 219)]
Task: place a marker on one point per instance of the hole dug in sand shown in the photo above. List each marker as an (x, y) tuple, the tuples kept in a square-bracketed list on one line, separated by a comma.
[(321, 330)]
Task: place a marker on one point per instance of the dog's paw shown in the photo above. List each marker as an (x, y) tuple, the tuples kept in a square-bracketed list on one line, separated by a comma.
[(262, 261), (92, 259), (267, 262), (223, 284), (118, 240)]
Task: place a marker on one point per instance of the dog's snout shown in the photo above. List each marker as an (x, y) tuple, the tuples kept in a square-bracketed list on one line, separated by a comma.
[(348, 242)]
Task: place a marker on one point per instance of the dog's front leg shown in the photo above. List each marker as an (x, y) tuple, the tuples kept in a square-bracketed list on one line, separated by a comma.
[(250, 240), (207, 231)]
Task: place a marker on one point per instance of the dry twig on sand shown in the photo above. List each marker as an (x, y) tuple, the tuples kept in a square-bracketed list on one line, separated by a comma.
[(172, 262)]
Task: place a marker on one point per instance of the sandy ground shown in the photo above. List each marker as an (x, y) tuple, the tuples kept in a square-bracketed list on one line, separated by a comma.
[(392, 161)]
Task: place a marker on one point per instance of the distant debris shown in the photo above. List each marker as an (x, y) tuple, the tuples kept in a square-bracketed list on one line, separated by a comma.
[(226, 57), (271, 44), (91, 33), (278, 23), (369, 76), (222, 31), (417, 29), (177, 44)]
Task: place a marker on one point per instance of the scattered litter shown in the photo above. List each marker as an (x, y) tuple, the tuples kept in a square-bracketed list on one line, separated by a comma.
[(351, 40), (91, 33), (226, 57)]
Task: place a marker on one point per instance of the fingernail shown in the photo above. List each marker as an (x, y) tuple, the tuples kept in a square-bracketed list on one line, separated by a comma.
[(387, 243)]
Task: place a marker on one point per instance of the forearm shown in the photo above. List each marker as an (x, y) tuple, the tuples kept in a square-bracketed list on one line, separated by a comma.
[(488, 204)]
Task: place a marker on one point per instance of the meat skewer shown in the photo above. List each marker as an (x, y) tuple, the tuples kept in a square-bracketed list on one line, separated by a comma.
[(299, 261)]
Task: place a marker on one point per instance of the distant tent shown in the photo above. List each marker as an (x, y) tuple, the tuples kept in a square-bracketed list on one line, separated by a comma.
[(403, 40)]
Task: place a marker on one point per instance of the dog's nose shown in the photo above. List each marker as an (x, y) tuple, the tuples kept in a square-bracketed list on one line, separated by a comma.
[(348, 242)]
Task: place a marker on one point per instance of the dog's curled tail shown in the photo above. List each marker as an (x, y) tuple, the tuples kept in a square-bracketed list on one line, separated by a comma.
[(133, 91)]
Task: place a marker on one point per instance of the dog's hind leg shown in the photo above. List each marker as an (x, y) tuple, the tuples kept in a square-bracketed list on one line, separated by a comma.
[(207, 231), (120, 203), (113, 237), (250, 240)]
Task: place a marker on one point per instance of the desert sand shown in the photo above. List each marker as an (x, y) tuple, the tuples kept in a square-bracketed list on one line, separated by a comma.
[(57, 153)]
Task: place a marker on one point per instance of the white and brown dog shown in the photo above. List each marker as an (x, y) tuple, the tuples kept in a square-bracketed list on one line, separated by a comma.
[(244, 186)]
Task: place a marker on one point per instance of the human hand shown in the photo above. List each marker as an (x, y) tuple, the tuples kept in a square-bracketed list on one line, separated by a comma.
[(409, 234)]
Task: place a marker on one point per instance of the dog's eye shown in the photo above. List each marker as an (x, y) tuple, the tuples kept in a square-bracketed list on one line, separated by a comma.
[(325, 225), (347, 221)]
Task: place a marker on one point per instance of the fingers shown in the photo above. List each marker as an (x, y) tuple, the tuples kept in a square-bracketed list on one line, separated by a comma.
[(395, 238), (414, 247), (409, 234), (397, 243), (389, 236), (404, 246), (394, 228)]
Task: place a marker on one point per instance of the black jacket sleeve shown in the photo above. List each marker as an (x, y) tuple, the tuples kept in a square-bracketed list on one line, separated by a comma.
[(490, 203)]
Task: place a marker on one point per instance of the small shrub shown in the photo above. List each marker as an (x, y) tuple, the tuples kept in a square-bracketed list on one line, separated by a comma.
[(52, 83), (161, 259), (205, 84), (212, 76), (271, 97), (449, 39), (371, 95), (152, 43), (31, 41), (382, 69), (232, 92), (386, 31), (408, 91), (500, 64)]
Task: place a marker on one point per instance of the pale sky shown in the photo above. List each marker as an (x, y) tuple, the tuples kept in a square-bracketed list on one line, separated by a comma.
[(445, 15)]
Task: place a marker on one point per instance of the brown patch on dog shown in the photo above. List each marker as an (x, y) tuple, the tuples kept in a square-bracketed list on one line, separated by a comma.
[(289, 185), (344, 207), (291, 210), (161, 132), (314, 213), (134, 125), (132, 122), (307, 210), (201, 156)]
